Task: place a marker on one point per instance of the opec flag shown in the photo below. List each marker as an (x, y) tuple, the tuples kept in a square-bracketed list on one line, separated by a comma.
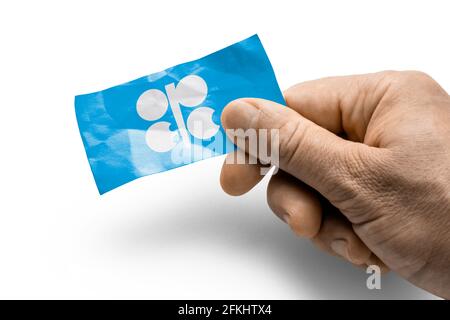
[(170, 118)]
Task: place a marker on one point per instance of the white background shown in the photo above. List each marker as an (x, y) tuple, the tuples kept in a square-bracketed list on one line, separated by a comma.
[(175, 234)]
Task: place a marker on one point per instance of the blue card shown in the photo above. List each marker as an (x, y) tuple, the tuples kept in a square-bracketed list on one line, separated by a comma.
[(170, 118)]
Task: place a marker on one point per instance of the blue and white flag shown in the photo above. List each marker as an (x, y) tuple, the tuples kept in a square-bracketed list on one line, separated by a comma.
[(170, 118)]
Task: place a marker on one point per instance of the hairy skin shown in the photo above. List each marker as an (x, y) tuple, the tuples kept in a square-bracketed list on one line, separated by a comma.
[(365, 169)]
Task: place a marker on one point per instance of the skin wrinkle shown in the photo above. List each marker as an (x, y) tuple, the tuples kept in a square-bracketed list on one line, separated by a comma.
[(327, 184), (407, 268), (370, 115), (288, 145), (285, 139), (352, 114), (307, 98), (389, 198), (356, 181), (414, 266), (254, 122), (408, 201)]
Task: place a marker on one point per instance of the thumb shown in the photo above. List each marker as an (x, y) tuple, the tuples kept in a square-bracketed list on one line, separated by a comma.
[(318, 157)]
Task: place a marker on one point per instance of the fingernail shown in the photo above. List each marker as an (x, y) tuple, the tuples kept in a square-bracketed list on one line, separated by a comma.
[(286, 218), (238, 115), (340, 247)]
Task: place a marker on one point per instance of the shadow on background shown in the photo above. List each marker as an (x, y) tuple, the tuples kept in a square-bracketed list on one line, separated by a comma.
[(246, 226)]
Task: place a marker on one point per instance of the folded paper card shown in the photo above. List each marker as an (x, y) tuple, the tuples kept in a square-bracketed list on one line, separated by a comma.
[(170, 118)]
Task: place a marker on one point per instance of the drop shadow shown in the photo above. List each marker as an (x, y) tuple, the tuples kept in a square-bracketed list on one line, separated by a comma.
[(248, 227)]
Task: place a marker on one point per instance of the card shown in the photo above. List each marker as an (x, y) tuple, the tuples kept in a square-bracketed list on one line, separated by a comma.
[(170, 118)]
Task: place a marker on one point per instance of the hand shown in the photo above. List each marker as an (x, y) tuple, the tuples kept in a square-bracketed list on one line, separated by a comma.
[(365, 169)]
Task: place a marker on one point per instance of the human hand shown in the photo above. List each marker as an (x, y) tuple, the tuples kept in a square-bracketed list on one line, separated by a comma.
[(365, 169)]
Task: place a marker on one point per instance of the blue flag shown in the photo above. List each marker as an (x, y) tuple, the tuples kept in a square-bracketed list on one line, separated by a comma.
[(170, 118)]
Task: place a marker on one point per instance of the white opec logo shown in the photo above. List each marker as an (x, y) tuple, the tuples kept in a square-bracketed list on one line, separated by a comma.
[(190, 92)]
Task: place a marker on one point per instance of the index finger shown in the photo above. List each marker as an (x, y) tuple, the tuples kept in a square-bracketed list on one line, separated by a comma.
[(342, 105)]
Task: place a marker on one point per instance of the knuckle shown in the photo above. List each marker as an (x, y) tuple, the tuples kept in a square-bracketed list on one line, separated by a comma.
[(406, 76), (410, 86), (416, 75), (389, 74), (409, 78)]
